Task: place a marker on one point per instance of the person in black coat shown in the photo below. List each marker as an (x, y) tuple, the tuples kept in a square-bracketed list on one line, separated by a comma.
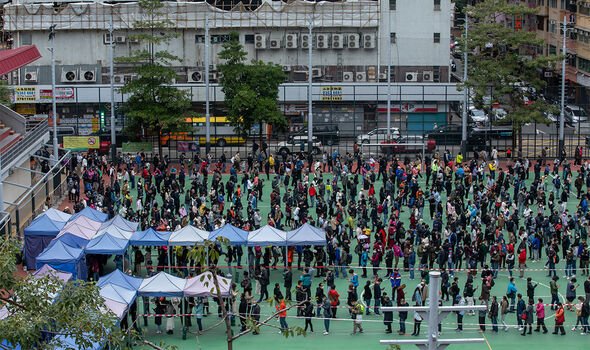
[(160, 309), (387, 315)]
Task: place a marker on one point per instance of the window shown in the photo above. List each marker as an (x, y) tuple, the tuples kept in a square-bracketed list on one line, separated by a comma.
[(552, 50), (562, 4), (540, 23), (552, 26), (437, 38), (540, 2), (436, 5), (26, 39), (392, 38), (583, 64), (553, 3), (392, 5), (249, 38)]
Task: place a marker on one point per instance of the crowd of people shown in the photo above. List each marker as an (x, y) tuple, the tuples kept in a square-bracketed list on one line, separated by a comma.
[(388, 221)]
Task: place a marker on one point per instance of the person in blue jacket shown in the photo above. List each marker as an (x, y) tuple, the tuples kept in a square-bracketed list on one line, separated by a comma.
[(364, 260), (396, 281), (511, 293)]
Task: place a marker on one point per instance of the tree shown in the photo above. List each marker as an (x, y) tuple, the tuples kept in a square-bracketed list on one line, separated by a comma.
[(504, 63), (251, 90), (33, 307), (5, 93), (154, 104)]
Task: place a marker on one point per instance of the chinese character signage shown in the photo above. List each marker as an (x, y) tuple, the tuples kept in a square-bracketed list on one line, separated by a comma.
[(331, 93), (25, 94)]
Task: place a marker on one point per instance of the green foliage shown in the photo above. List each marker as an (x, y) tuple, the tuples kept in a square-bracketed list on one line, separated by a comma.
[(502, 59), (5, 93), (251, 90), (75, 309), (154, 104)]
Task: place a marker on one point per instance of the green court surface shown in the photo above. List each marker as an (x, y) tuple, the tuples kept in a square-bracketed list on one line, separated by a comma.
[(340, 329)]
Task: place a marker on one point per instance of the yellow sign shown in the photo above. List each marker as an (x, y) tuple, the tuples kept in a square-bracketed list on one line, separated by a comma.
[(25, 94), (331, 93), (81, 142)]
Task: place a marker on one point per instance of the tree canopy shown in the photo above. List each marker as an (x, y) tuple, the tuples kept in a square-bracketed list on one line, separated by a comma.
[(251, 90)]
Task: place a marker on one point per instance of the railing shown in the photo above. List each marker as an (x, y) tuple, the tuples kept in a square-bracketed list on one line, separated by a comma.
[(29, 139), (12, 119)]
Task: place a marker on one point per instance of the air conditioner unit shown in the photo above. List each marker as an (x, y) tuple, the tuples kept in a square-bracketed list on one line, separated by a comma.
[(382, 76), (369, 41), (360, 76), (321, 41), (260, 41), (337, 41), (427, 76), (120, 39), (275, 44), (412, 76), (306, 40), (69, 75), (195, 76), (119, 78), (286, 68), (107, 39), (353, 41), (316, 73), (133, 40), (130, 77), (348, 77), (31, 77), (291, 41), (88, 76)]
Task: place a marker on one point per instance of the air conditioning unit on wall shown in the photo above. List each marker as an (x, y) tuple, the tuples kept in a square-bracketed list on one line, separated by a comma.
[(31, 76), (87, 76), (291, 41), (369, 41), (412, 76), (69, 75), (348, 77), (337, 41), (321, 41), (306, 40), (353, 41), (195, 76), (360, 76), (275, 44), (260, 41), (427, 76), (119, 78)]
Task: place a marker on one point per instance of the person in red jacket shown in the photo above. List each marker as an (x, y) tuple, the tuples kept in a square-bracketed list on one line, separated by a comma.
[(559, 319), (282, 313), (334, 297), (522, 262)]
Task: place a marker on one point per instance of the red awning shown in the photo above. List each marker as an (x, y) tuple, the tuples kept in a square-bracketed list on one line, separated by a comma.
[(13, 59)]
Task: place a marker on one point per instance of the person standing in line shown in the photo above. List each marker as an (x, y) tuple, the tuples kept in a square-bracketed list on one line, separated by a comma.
[(494, 308), (503, 312), (377, 295), (327, 312), (520, 309), (308, 312), (387, 315), (334, 297), (199, 314), (356, 312), (367, 296), (460, 302), (559, 319), (540, 310), (417, 323), (528, 318), (482, 316), (281, 308), (403, 316)]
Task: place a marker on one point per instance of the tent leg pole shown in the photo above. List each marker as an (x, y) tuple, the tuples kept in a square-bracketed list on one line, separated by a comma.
[(169, 259)]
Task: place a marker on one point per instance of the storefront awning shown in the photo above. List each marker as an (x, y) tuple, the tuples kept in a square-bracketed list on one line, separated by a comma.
[(12, 59)]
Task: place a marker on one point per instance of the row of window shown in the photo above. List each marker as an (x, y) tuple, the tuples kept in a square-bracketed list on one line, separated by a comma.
[(393, 5), (393, 38)]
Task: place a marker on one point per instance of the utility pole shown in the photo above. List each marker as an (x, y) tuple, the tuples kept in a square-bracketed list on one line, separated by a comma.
[(562, 106), (112, 81), (53, 93), (465, 91), (309, 87), (207, 111), (434, 314), (389, 81)]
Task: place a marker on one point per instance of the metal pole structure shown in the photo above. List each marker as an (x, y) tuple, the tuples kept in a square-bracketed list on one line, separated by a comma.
[(465, 92), (207, 111), (53, 100), (562, 109), (112, 81), (309, 87), (389, 82), (433, 299)]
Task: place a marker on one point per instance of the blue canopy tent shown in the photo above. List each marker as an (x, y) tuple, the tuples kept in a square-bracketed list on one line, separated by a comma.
[(57, 215), (91, 214), (306, 235), (267, 235), (78, 232), (119, 278), (106, 244), (235, 235), (64, 342), (124, 224), (38, 236), (162, 285), (188, 236), (150, 237), (117, 293), (6, 345), (63, 257)]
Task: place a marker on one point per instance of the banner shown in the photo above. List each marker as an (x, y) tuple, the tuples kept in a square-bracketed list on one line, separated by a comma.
[(331, 93), (81, 142), (25, 94), (135, 147), (61, 93)]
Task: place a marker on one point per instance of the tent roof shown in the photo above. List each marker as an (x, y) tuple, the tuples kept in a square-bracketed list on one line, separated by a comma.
[(197, 288), (59, 252), (56, 215), (116, 307), (85, 222), (91, 214), (188, 236), (64, 342), (119, 278), (115, 232), (163, 285), (7, 345), (307, 235), (48, 270), (267, 235), (44, 226), (122, 223), (149, 237), (118, 293), (106, 244), (235, 235)]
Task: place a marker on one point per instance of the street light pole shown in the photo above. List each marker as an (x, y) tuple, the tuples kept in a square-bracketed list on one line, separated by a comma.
[(562, 106), (53, 100), (310, 85), (207, 111), (465, 91), (112, 82), (389, 83)]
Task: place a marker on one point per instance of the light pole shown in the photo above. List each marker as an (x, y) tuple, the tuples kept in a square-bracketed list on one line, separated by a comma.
[(310, 85), (465, 91), (53, 100), (112, 83), (562, 106), (207, 111), (389, 82)]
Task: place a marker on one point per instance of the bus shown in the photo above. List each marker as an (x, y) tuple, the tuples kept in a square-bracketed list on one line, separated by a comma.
[(222, 133)]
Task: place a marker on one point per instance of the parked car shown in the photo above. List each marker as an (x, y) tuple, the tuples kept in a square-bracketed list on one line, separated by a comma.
[(327, 134), (409, 144), (575, 114), (445, 135), (377, 135), (478, 115), (297, 144)]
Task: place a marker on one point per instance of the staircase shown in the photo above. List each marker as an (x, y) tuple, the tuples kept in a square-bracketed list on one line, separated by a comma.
[(8, 138)]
